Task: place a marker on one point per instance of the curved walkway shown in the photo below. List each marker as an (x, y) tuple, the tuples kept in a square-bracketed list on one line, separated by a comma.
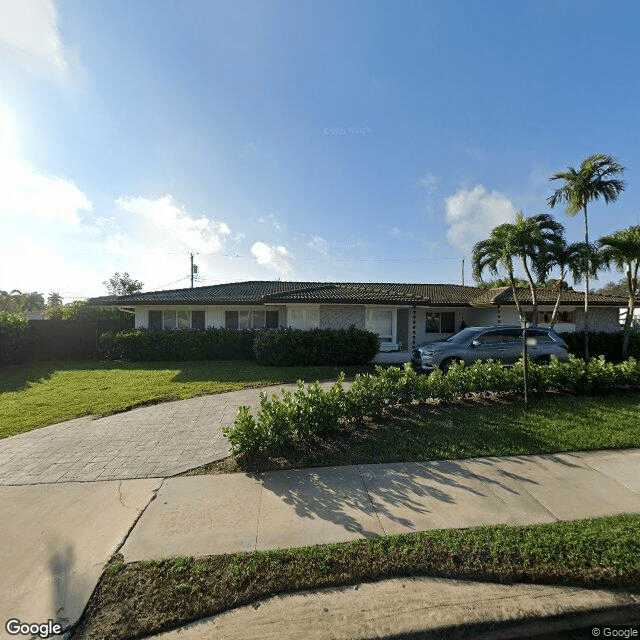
[(149, 442)]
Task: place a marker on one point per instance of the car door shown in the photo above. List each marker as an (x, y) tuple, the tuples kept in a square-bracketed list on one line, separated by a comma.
[(497, 344)]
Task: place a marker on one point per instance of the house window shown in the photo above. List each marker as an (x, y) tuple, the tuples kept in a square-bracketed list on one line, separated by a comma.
[(155, 319), (259, 319), (380, 321), (169, 319), (197, 319), (272, 320), (304, 318), (563, 316), (230, 319), (440, 322), (184, 319)]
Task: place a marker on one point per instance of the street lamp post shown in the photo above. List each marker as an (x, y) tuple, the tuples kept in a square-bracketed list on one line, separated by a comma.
[(525, 324)]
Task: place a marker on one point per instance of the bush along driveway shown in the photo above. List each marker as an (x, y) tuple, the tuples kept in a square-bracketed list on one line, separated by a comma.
[(313, 412)]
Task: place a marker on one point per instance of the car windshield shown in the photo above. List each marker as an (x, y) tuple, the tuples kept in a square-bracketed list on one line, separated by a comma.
[(462, 336)]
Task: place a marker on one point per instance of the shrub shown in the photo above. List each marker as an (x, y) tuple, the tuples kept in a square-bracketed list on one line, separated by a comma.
[(602, 343), (288, 347), (15, 338), (184, 344), (313, 410)]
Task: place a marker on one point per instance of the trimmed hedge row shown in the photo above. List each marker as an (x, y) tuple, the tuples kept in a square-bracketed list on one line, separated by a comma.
[(185, 344), (293, 347), (602, 343), (275, 347), (284, 417)]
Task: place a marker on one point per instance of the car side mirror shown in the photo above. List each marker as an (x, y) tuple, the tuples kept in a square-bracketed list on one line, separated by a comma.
[(476, 343)]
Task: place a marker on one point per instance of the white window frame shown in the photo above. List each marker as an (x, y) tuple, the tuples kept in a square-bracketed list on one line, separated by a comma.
[(387, 342), (310, 316)]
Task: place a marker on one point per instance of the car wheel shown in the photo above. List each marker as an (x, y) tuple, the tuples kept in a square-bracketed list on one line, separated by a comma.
[(445, 365), (543, 360)]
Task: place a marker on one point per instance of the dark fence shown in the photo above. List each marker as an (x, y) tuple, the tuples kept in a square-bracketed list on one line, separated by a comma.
[(70, 339)]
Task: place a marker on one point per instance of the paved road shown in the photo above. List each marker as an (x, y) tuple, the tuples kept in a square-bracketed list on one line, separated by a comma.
[(149, 442)]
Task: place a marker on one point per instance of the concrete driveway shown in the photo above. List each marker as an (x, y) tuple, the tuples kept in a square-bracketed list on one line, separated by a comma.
[(149, 442)]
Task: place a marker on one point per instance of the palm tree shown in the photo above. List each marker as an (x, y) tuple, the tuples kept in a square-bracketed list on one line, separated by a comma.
[(593, 180), (622, 249), (34, 301), (497, 251), (528, 239), (17, 301), (54, 299), (533, 238), (568, 258)]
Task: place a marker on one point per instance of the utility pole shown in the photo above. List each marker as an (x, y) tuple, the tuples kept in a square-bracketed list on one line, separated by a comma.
[(463, 272), (191, 254)]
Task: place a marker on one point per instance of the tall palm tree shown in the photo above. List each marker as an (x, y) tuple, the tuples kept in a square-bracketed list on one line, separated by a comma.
[(622, 249), (497, 251), (54, 299), (533, 238), (596, 178)]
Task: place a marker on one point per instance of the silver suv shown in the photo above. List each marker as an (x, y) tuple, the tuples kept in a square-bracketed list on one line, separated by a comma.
[(489, 343)]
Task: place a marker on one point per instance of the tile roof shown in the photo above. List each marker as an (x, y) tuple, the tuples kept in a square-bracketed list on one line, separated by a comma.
[(504, 295), (279, 292), (274, 291)]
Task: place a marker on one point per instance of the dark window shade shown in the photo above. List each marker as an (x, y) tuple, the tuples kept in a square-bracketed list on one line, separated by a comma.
[(231, 319), (197, 319), (155, 319), (272, 319), (448, 322)]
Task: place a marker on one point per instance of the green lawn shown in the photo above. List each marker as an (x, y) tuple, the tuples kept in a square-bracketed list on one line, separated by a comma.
[(36, 395), (465, 429), (599, 552), (547, 425)]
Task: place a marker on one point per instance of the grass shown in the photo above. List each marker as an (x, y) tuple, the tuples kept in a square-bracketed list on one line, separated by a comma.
[(496, 426), (141, 598), (36, 395)]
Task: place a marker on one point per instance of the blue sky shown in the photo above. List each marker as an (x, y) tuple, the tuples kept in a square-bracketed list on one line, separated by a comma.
[(359, 141)]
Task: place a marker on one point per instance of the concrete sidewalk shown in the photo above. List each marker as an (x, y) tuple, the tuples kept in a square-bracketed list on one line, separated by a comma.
[(210, 515), (58, 537)]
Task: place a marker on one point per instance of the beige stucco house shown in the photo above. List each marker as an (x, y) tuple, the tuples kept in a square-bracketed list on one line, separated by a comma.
[(402, 315)]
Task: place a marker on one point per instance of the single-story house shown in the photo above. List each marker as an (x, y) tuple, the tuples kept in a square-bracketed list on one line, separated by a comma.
[(402, 315)]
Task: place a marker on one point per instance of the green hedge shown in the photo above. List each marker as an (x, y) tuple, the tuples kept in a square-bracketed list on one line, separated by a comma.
[(15, 338), (284, 417), (184, 344), (295, 347), (602, 343)]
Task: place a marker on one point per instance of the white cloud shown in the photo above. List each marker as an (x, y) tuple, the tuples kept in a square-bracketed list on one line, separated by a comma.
[(165, 223), (277, 258), (27, 196), (29, 36), (471, 214), (319, 244), (116, 243), (429, 182)]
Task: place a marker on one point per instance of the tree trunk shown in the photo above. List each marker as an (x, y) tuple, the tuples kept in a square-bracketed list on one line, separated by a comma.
[(586, 284), (631, 285), (556, 308), (534, 294), (515, 295)]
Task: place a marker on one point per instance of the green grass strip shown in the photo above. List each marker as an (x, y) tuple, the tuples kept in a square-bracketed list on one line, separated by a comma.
[(599, 552)]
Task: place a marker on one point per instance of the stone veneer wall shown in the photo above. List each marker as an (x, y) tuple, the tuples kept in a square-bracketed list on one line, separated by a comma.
[(341, 316), (602, 319)]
